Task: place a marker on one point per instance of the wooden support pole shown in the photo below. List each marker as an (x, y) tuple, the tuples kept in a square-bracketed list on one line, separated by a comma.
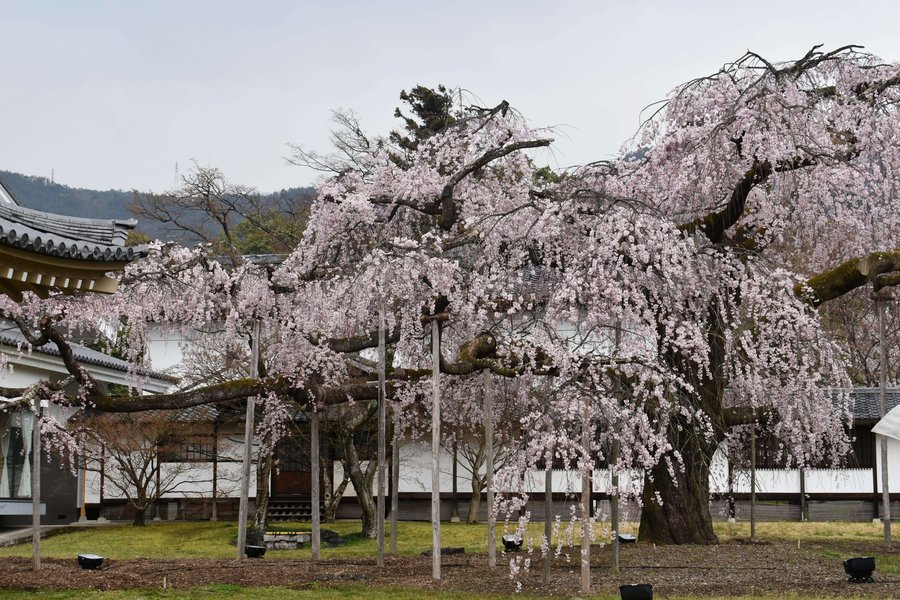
[(489, 467), (882, 383), (382, 427), (395, 478), (454, 474), (214, 513), (804, 507), (548, 516), (248, 447), (753, 480), (614, 503), (36, 487), (316, 475), (613, 463), (586, 497), (82, 514), (436, 450)]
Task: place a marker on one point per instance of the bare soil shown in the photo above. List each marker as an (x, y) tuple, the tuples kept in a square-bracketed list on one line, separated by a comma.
[(714, 571)]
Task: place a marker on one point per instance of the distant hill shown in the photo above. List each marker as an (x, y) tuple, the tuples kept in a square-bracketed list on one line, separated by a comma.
[(42, 194)]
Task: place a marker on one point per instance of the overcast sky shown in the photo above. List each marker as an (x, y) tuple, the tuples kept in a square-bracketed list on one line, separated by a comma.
[(112, 94)]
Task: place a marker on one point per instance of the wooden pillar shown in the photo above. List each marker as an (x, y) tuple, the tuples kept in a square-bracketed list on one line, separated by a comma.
[(489, 467), (882, 382), (753, 480), (36, 486), (82, 514), (614, 504), (436, 450), (454, 507), (316, 474), (586, 497), (731, 510), (248, 447), (382, 426), (548, 516), (613, 463), (395, 478), (804, 508)]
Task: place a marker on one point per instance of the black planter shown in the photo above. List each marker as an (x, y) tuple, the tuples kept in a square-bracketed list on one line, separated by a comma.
[(860, 569), (90, 561), (254, 551), (638, 591), (512, 543), (627, 538)]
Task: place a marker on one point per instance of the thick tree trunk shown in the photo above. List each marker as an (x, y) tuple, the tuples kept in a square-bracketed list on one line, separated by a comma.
[(140, 514), (683, 515)]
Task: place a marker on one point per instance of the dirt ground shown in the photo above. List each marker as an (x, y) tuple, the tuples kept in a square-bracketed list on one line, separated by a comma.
[(716, 571)]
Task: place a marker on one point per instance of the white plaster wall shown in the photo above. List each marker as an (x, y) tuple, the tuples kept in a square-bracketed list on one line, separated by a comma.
[(165, 349), (893, 463)]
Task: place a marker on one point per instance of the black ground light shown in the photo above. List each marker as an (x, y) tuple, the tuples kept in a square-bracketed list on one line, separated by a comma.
[(512, 542), (860, 569), (90, 561), (637, 591)]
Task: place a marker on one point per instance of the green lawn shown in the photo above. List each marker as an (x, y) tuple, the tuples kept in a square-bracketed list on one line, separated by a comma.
[(201, 539)]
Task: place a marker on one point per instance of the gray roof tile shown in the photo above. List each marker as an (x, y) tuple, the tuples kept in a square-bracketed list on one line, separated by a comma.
[(867, 402), (97, 240)]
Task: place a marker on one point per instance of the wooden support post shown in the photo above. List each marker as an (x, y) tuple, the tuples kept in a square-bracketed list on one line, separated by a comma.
[(316, 475), (731, 511), (489, 467), (382, 427), (614, 504), (436, 450), (753, 480), (36, 486), (248, 447), (613, 463), (395, 479), (214, 515), (454, 506), (586, 497), (882, 382), (804, 507), (548, 516)]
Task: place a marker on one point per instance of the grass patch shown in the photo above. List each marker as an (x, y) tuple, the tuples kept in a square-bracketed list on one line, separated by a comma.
[(830, 531), (202, 539)]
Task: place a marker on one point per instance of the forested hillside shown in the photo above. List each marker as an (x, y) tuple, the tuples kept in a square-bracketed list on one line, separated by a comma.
[(42, 194)]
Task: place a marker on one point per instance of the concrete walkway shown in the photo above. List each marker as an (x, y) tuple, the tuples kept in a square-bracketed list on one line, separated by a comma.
[(22, 535)]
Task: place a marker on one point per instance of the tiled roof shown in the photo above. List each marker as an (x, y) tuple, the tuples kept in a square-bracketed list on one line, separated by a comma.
[(96, 240), (11, 336), (867, 402)]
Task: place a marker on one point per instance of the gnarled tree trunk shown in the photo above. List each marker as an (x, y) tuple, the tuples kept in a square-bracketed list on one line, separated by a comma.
[(676, 503)]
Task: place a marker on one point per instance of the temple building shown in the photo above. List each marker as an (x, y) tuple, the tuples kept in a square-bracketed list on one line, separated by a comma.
[(46, 253)]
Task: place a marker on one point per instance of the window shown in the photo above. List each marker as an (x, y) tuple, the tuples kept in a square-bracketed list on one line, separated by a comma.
[(186, 449)]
